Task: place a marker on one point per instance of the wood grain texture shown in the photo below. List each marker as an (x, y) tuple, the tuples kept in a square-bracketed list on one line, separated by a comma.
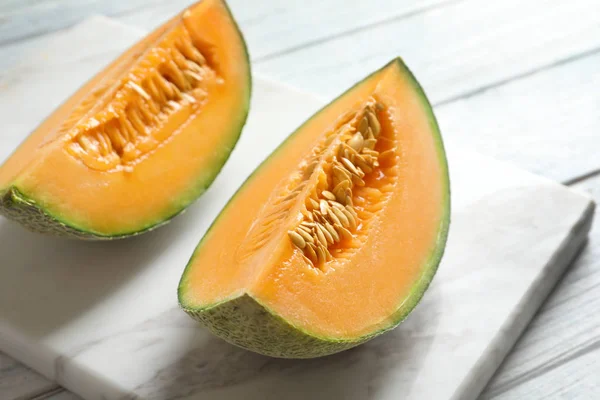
[(20, 20), (577, 379), (273, 28), (268, 26), (455, 50), (547, 123), (262, 20), (559, 355)]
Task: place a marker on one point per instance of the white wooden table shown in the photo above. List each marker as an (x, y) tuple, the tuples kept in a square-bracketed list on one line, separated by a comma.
[(516, 79)]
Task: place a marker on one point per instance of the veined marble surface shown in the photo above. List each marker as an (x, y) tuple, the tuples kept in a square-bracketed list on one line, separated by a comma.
[(102, 318)]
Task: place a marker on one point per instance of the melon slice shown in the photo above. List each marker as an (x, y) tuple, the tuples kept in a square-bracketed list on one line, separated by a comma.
[(335, 237), (142, 139)]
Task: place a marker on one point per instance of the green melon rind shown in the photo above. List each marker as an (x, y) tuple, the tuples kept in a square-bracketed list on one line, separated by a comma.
[(22, 208), (245, 322), (17, 207)]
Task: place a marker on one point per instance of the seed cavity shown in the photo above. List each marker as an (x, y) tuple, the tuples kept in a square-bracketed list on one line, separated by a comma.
[(331, 216), (166, 80), (328, 202)]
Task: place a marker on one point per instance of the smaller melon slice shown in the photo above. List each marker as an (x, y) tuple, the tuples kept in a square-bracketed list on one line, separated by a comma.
[(142, 139), (336, 236)]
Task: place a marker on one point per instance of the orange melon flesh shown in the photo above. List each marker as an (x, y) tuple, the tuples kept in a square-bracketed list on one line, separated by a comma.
[(170, 140), (393, 255)]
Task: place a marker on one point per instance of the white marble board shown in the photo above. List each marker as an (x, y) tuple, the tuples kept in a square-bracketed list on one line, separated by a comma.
[(102, 319)]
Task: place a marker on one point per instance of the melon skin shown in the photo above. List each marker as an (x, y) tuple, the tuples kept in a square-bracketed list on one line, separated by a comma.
[(33, 215), (244, 322), (17, 207)]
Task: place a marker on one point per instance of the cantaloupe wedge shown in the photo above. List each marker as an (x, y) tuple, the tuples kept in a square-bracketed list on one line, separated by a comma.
[(142, 139), (336, 236)]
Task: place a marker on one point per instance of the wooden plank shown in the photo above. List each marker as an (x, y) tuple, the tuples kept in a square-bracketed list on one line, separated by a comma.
[(451, 59), (577, 379), (455, 50), (559, 355), (35, 18), (272, 27), (19, 382), (547, 123), (262, 20)]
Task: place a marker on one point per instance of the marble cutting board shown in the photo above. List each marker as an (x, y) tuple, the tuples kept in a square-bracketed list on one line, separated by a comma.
[(102, 319)]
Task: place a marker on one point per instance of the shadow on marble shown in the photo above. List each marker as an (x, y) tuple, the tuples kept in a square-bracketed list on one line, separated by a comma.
[(215, 369), (68, 269)]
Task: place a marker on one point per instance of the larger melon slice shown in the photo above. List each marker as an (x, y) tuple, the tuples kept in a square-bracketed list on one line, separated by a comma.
[(335, 237), (142, 139)]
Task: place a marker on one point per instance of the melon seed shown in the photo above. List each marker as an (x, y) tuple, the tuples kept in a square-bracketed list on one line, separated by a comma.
[(335, 204), (348, 164), (326, 233), (323, 206), (332, 231), (350, 217), (374, 123), (311, 252), (369, 144), (361, 163), (341, 173), (297, 239), (350, 153), (344, 232), (340, 194), (333, 218), (363, 126), (139, 90), (192, 74), (358, 180), (321, 254), (328, 195), (341, 216), (306, 236), (351, 211), (356, 142), (304, 229), (321, 237)]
